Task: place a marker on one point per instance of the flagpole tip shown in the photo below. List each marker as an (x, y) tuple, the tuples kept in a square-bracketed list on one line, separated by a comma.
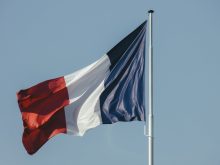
[(151, 11)]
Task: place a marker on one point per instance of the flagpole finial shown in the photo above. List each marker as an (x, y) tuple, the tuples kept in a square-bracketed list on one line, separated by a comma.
[(151, 11)]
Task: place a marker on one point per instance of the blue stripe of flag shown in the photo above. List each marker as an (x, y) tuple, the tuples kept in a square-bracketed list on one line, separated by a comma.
[(123, 97)]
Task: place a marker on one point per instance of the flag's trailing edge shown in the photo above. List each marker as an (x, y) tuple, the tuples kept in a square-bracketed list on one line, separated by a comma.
[(107, 91)]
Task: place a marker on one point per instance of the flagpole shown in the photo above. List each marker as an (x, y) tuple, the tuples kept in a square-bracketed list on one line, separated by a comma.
[(150, 94)]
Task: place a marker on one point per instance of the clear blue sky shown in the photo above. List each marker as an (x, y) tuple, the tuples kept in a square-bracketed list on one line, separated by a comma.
[(44, 39)]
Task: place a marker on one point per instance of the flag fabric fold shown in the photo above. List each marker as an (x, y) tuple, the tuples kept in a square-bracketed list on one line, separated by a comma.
[(107, 91)]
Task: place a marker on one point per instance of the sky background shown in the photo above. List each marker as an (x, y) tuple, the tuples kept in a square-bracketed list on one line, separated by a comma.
[(44, 39)]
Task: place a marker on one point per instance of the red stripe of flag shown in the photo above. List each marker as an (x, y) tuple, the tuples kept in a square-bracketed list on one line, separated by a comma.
[(42, 108)]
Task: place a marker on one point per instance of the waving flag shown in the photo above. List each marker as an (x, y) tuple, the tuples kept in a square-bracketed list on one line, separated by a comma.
[(107, 91)]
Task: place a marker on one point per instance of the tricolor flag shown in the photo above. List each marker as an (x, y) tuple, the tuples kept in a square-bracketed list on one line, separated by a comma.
[(107, 91)]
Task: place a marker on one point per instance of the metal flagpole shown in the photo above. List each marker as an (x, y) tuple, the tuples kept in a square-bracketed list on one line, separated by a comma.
[(150, 96)]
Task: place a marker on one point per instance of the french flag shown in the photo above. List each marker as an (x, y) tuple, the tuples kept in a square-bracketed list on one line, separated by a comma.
[(109, 90)]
